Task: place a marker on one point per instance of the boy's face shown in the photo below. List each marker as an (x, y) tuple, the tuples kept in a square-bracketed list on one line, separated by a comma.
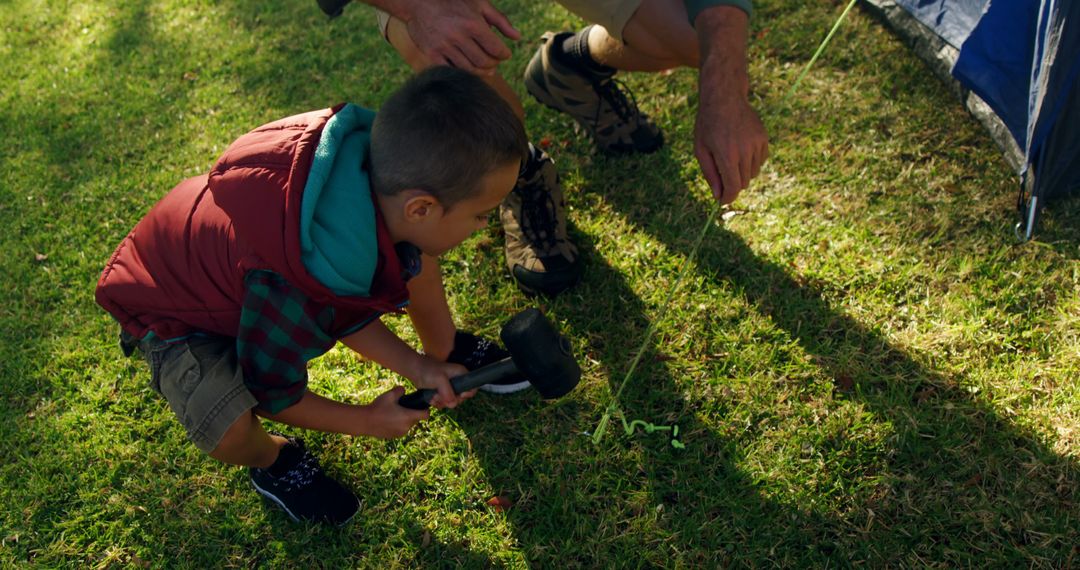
[(443, 229)]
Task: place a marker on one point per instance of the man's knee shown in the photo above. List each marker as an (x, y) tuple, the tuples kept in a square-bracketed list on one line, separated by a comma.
[(661, 30)]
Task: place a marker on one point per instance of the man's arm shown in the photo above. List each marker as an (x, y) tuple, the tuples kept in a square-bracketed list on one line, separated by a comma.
[(729, 139), (452, 32)]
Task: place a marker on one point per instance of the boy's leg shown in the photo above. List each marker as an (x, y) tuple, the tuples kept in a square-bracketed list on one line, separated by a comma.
[(203, 384), (539, 253), (246, 443), (573, 73)]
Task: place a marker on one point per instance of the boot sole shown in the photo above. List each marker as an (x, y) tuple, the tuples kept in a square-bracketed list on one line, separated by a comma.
[(560, 282)]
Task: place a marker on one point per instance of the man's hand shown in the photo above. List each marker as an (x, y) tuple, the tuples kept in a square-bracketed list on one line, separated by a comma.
[(730, 142), (387, 420), (459, 33)]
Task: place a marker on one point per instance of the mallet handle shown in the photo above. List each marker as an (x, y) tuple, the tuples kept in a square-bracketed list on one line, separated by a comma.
[(493, 372)]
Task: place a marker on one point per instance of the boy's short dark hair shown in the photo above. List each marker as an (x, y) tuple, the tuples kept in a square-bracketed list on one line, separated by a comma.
[(442, 132)]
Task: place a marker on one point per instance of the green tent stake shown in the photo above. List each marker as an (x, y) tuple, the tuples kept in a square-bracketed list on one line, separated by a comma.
[(602, 426)]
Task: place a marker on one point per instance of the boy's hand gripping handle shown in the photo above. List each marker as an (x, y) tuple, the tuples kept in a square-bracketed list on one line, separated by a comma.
[(505, 368)]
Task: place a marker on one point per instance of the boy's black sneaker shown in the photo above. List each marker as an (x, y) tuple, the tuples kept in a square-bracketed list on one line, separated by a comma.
[(297, 484), (474, 352)]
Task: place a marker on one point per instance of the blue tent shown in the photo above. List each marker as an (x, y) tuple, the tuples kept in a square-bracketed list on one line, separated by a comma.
[(1021, 60)]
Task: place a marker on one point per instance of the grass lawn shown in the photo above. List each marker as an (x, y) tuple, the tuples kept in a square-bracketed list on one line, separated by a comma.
[(864, 367)]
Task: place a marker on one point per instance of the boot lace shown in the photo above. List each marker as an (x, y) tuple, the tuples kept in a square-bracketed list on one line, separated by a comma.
[(538, 215), (614, 93)]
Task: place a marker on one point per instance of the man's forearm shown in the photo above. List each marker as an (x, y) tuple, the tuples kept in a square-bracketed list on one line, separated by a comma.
[(722, 36), (403, 10)]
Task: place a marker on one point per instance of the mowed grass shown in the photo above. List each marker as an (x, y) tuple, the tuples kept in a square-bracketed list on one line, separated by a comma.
[(864, 367)]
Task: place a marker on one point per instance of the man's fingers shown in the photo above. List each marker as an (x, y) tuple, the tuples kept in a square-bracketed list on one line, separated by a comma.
[(458, 59), (478, 57), (761, 154), (502, 23), (746, 167), (436, 58), (708, 168), (492, 46), (730, 178)]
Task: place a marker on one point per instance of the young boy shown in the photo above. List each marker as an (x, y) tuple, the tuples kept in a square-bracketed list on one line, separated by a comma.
[(305, 232)]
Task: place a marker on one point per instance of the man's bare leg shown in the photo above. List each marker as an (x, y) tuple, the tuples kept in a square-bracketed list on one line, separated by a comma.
[(657, 37)]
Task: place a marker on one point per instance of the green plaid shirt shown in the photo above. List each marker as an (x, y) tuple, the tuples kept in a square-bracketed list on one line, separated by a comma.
[(281, 329)]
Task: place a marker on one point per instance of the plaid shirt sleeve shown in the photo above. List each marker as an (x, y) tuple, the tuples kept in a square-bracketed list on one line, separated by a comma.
[(281, 329)]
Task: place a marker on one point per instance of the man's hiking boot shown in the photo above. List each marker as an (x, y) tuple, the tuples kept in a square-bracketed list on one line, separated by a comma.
[(297, 484), (594, 100), (538, 253)]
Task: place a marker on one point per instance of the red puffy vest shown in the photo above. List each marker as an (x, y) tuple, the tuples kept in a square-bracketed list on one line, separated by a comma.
[(181, 269)]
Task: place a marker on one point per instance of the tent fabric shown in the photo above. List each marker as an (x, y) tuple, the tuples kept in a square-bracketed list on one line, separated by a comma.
[(995, 63), (1022, 58), (952, 20), (1054, 132)]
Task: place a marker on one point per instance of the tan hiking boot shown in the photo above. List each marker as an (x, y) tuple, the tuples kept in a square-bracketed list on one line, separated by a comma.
[(595, 101), (538, 253)]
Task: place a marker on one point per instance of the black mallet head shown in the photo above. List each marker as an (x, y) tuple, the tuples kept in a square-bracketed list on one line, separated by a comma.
[(541, 354), (537, 352)]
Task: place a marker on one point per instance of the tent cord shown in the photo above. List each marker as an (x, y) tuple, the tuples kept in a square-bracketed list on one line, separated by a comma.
[(629, 427)]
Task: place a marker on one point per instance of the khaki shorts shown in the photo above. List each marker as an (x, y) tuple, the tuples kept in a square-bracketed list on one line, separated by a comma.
[(203, 383), (611, 14)]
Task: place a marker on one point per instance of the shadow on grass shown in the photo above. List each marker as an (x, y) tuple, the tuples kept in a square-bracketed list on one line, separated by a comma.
[(71, 141), (960, 478), (1059, 226), (633, 500), (956, 483)]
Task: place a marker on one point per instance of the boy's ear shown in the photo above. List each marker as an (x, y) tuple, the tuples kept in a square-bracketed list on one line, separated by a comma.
[(420, 206)]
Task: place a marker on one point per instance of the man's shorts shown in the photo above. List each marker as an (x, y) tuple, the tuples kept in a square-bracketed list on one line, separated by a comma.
[(611, 14), (202, 381)]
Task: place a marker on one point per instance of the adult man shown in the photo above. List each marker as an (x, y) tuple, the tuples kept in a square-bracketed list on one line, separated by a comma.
[(573, 73)]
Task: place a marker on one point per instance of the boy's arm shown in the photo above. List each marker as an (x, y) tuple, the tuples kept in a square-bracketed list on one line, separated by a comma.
[(428, 310), (377, 343), (382, 418)]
